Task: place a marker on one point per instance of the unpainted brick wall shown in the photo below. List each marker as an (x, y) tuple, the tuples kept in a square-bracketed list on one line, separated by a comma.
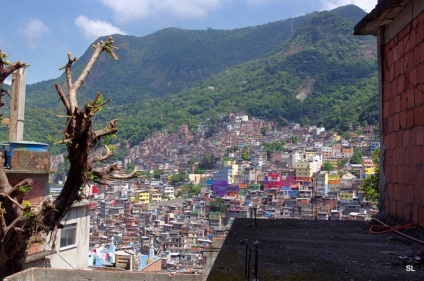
[(34, 165), (403, 122)]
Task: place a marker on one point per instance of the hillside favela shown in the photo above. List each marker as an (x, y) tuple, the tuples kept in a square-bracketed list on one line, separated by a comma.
[(291, 150)]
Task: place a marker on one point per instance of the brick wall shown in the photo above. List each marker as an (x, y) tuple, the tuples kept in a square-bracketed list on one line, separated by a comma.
[(154, 266), (403, 121), (34, 165)]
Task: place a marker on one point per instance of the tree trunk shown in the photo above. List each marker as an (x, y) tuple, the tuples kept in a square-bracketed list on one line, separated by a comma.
[(19, 221), (13, 265)]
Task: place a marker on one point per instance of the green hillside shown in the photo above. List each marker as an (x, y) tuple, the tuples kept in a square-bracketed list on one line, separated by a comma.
[(170, 60), (309, 69), (321, 75)]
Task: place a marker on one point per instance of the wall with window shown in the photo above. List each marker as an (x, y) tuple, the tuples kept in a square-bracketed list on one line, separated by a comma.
[(72, 241)]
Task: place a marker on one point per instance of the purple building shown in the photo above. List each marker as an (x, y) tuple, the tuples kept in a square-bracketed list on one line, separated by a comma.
[(220, 188)]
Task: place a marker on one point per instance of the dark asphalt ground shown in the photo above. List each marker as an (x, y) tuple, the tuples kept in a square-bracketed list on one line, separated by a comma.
[(318, 250)]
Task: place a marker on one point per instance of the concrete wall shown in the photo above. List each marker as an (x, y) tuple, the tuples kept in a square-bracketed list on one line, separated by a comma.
[(77, 255), (49, 274), (211, 254), (402, 77)]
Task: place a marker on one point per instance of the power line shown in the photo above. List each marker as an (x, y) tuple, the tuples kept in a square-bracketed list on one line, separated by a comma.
[(79, 272)]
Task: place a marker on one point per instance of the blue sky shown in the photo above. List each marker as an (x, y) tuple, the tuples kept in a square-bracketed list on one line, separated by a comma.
[(42, 32)]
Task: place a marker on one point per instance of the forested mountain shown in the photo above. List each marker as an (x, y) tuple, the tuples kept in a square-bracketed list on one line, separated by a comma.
[(171, 60), (309, 69)]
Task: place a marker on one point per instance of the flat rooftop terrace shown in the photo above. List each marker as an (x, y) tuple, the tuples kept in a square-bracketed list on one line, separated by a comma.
[(318, 250)]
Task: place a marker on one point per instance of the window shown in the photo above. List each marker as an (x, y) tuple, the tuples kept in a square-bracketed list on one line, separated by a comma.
[(68, 236)]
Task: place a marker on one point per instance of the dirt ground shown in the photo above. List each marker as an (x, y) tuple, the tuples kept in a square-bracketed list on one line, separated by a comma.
[(319, 250)]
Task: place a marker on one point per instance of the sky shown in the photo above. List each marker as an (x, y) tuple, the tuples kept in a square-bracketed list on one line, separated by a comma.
[(42, 32)]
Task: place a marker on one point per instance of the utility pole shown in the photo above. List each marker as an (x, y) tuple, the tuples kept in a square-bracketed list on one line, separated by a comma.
[(17, 105)]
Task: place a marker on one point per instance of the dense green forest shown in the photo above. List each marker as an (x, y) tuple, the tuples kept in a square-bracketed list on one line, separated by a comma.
[(309, 69)]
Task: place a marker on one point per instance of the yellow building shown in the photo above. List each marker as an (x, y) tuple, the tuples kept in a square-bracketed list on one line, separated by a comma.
[(334, 182), (304, 169), (310, 154), (334, 179), (141, 197), (322, 183), (197, 178), (336, 137), (228, 163), (144, 197), (347, 196), (368, 167), (155, 196)]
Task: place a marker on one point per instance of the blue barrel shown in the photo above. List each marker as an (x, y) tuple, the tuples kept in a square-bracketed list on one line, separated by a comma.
[(23, 145)]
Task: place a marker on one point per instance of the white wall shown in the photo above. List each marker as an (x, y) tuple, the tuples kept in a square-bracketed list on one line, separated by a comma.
[(75, 256)]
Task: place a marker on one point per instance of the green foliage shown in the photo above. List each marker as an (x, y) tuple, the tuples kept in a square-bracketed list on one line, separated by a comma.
[(342, 163), (157, 173), (208, 162), (145, 174), (24, 189), (190, 190), (245, 155), (178, 178), (199, 171), (371, 184), (218, 205), (275, 146), (129, 167), (356, 157), (327, 166), (27, 208), (294, 139)]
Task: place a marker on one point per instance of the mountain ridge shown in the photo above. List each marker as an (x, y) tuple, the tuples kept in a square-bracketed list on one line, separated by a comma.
[(174, 77)]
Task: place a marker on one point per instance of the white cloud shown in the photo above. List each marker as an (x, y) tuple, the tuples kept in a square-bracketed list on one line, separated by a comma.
[(125, 10), (33, 30), (366, 5), (93, 29)]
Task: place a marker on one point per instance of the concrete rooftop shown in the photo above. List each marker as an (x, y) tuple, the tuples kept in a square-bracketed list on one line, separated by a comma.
[(318, 250)]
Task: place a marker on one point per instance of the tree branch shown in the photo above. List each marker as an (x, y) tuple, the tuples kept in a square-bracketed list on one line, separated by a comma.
[(16, 188), (6, 92), (127, 176), (13, 201), (98, 49), (104, 172), (11, 227), (107, 172), (5, 72), (69, 70), (63, 98), (4, 182), (101, 158), (43, 206), (110, 129)]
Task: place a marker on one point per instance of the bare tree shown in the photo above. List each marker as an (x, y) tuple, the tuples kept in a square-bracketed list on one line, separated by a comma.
[(6, 69), (19, 222)]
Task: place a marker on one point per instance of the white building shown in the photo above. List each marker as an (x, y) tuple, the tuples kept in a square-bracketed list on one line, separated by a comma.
[(168, 191), (72, 241)]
